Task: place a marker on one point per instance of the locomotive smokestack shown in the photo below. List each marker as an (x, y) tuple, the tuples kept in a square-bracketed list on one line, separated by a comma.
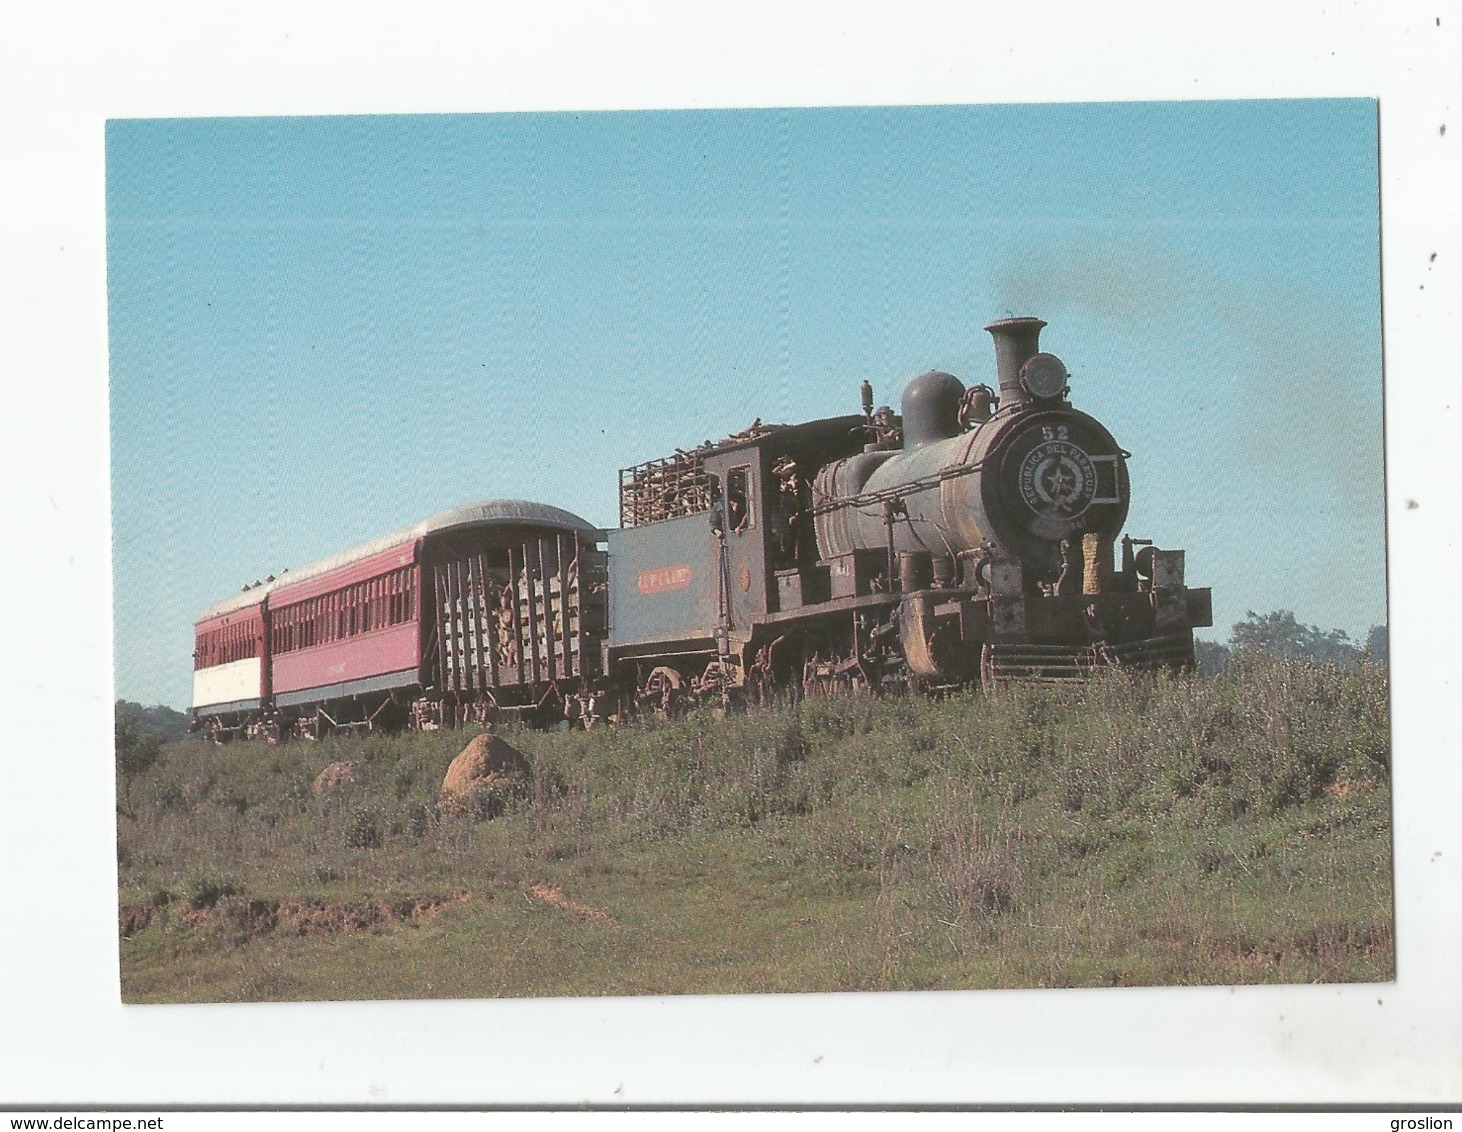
[(1016, 340)]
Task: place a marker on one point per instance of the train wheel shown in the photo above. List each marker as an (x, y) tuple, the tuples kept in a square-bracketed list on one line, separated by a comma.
[(661, 691)]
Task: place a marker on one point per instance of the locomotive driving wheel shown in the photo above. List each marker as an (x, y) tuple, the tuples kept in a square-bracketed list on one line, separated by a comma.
[(987, 666), (717, 683), (661, 690)]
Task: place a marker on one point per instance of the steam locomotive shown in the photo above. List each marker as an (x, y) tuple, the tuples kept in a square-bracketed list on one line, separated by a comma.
[(971, 537)]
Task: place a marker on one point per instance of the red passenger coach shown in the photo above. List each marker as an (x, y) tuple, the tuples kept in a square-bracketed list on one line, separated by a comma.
[(492, 609), (230, 678), (351, 630)]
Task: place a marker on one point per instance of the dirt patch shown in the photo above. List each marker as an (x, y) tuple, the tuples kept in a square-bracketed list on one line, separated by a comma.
[(133, 918), (315, 917), (251, 918), (551, 895), (1330, 941), (1339, 789), (1333, 939)]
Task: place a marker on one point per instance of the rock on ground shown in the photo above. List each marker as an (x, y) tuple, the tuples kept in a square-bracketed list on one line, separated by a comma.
[(334, 777), (486, 761)]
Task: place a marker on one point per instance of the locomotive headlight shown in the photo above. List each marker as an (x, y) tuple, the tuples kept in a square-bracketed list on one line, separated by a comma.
[(1044, 376)]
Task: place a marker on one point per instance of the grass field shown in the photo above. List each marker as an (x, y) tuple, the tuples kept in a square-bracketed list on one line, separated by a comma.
[(1135, 831)]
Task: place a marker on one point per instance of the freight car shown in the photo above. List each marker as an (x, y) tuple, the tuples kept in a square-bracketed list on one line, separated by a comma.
[(971, 537)]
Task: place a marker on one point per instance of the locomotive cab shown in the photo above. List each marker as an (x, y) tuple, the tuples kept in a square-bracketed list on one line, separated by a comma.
[(713, 544)]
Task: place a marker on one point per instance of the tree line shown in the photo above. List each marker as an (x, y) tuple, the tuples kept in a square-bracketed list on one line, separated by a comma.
[(1282, 634), (139, 733)]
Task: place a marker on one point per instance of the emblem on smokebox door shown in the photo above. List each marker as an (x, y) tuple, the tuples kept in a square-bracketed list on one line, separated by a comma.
[(1057, 476)]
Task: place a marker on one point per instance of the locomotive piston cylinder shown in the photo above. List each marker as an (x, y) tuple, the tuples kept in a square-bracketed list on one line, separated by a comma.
[(916, 571)]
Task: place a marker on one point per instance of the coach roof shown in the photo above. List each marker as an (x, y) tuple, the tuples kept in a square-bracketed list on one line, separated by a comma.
[(491, 513)]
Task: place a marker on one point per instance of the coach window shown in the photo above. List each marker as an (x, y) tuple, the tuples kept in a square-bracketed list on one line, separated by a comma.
[(738, 499)]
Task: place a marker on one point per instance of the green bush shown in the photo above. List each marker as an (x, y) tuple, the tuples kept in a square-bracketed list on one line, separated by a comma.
[(205, 891), (412, 820), (364, 829)]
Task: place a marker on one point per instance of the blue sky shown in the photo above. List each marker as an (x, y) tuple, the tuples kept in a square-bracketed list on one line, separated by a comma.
[(324, 329)]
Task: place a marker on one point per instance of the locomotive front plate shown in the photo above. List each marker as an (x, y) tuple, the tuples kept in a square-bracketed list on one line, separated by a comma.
[(1057, 479)]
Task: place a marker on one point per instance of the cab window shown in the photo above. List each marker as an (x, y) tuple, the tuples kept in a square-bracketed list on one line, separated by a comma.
[(739, 515)]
